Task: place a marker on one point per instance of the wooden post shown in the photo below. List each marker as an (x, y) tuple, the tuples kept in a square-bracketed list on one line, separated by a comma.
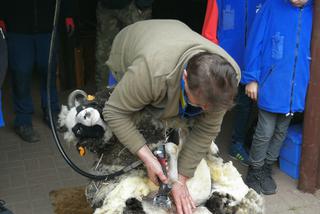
[(79, 67), (310, 159)]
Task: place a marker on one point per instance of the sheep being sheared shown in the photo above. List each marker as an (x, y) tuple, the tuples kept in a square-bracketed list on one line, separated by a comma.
[(217, 181), (137, 185), (216, 185)]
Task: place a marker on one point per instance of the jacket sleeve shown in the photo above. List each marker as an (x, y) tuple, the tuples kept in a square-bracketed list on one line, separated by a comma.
[(204, 131), (209, 29), (132, 94), (252, 58)]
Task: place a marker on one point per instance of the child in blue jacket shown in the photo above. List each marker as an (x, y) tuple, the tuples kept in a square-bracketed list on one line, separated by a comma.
[(234, 23), (276, 75)]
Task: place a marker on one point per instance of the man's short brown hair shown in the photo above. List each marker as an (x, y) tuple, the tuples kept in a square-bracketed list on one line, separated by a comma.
[(213, 80)]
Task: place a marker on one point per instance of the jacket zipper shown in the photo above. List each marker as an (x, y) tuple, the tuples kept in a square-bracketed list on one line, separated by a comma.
[(295, 60), (246, 23), (35, 16)]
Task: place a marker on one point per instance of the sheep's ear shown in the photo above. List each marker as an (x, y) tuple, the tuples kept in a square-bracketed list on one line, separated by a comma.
[(79, 101), (76, 98)]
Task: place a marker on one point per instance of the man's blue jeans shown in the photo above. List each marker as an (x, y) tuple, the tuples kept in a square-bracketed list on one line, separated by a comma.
[(26, 52), (242, 114)]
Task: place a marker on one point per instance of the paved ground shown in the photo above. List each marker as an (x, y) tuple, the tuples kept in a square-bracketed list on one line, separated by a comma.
[(28, 172)]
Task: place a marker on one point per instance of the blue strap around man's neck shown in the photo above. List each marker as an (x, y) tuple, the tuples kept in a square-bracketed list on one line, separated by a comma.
[(186, 110)]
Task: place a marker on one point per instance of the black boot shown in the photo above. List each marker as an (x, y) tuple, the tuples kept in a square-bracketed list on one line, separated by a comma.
[(254, 178), (27, 133), (268, 185)]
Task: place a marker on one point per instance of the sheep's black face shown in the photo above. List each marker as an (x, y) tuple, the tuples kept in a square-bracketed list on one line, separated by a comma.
[(133, 206), (219, 204)]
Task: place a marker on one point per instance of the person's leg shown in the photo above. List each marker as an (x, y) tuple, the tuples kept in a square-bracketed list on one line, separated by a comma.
[(21, 60), (258, 152), (269, 185), (42, 42), (278, 137), (242, 115), (132, 14), (107, 28)]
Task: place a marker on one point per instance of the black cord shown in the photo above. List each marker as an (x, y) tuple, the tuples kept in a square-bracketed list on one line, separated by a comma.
[(53, 127)]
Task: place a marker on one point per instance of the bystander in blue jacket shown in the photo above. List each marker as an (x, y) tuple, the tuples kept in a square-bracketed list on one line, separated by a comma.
[(234, 22), (276, 75)]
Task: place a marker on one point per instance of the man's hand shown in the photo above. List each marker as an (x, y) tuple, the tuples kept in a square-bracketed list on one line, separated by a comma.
[(252, 90), (181, 196), (152, 164), (70, 26)]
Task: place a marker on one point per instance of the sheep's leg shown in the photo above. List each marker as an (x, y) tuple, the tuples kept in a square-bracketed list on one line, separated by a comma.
[(172, 153), (213, 153)]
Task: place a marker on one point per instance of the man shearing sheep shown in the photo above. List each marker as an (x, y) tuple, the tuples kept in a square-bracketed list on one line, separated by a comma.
[(182, 79)]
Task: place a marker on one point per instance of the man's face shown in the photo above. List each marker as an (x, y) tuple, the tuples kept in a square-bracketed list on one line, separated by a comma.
[(193, 100), (298, 3)]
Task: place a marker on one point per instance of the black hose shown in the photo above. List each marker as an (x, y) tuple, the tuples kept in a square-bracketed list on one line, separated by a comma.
[(53, 127)]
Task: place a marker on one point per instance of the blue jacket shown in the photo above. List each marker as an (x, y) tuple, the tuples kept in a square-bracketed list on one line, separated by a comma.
[(1, 115), (234, 21), (278, 56)]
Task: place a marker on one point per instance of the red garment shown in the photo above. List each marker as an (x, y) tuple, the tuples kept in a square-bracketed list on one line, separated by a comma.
[(209, 29), (3, 25), (70, 26)]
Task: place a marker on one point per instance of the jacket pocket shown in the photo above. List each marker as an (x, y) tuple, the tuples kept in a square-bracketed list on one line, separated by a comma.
[(271, 69), (228, 15), (277, 46)]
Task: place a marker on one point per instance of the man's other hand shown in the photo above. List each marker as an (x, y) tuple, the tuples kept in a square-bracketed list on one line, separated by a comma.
[(182, 197)]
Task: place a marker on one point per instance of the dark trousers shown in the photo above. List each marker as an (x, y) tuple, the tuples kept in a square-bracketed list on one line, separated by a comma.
[(242, 110), (270, 133), (26, 52)]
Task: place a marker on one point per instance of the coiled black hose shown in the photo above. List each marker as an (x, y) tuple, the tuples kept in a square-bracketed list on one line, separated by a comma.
[(53, 127)]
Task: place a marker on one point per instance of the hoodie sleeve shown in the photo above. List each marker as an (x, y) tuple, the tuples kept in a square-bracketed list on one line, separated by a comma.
[(131, 95), (252, 58)]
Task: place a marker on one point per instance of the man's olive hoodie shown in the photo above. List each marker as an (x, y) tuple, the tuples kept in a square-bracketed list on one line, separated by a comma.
[(148, 59)]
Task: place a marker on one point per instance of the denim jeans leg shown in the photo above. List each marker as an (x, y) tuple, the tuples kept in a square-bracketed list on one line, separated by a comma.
[(42, 46), (242, 114), (262, 137), (279, 135), (21, 60)]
